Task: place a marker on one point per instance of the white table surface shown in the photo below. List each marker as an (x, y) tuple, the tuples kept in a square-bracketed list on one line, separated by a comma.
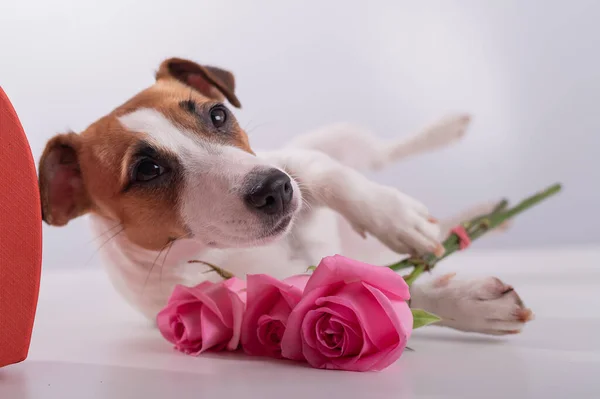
[(88, 344)]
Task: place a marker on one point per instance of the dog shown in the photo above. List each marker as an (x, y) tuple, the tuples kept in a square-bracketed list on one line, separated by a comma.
[(169, 177)]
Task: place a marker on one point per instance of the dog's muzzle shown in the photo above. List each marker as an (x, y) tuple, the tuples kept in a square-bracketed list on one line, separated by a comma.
[(268, 192)]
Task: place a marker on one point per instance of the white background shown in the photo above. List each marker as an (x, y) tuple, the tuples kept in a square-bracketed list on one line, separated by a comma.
[(529, 72)]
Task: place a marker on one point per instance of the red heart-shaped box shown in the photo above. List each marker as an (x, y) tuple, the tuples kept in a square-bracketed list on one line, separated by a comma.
[(20, 237)]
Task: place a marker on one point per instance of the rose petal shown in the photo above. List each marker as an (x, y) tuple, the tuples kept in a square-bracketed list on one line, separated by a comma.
[(217, 299), (182, 293), (209, 294), (299, 281), (181, 296), (177, 328), (190, 348), (291, 344), (269, 333), (396, 311), (405, 318), (320, 356), (325, 341), (309, 329), (267, 296), (263, 330), (369, 313), (165, 320), (234, 284), (352, 342), (336, 269), (207, 316), (238, 304), (345, 317), (168, 318), (380, 335), (315, 358), (215, 335), (189, 315), (400, 315), (280, 311), (309, 350)]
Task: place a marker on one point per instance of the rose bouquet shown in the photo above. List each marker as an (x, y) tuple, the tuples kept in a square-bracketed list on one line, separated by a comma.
[(345, 315)]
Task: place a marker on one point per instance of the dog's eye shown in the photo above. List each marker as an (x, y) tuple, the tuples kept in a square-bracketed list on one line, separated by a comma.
[(148, 170), (218, 116)]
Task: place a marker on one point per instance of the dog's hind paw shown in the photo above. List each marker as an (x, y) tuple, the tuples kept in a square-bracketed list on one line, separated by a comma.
[(448, 129), (486, 305)]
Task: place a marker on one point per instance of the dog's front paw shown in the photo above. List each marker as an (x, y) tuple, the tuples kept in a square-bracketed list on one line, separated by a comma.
[(401, 223), (486, 306)]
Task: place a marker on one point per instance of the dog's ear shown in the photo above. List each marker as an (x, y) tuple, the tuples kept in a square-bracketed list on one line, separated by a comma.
[(212, 82), (62, 190)]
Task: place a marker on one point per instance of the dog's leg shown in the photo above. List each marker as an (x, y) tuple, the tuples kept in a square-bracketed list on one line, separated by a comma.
[(485, 305), (400, 222), (358, 148)]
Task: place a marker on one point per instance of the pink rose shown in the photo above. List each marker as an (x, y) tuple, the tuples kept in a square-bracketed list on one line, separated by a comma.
[(208, 316), (270, 302), (352, 316)]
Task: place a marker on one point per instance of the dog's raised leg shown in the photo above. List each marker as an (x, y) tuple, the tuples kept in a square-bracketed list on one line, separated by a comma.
[(360, 149), (400, 222)]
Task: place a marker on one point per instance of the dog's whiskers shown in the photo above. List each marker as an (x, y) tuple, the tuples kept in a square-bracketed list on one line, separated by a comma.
[(104, 243), (105, 232), (162, 266), (249, 129), (307, 205), (167, 245), (302, 186), (247, 126)]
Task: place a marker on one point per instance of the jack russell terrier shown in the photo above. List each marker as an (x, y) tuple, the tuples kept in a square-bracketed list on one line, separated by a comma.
[(170, 177)]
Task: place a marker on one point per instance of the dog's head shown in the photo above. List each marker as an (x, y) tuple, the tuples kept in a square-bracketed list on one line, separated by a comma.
[(170, 163)]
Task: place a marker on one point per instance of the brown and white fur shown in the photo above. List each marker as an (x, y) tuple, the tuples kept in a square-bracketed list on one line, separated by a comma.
[(170, 177)]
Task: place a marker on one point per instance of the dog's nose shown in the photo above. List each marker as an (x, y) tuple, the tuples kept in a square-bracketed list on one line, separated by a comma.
[(271, 192)]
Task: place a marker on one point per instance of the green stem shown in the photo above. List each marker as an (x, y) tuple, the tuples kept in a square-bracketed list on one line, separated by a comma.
[(476, 228), (225, 275)]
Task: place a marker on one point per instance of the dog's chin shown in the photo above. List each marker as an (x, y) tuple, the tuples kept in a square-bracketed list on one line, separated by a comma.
[(272, 232), (278, 229), (259, 237)]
